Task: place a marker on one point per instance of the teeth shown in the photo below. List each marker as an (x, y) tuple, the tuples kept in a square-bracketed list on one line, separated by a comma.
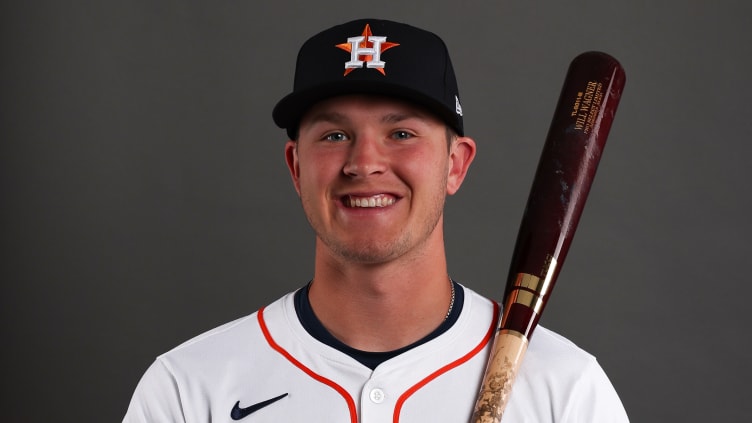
[(377, 201)]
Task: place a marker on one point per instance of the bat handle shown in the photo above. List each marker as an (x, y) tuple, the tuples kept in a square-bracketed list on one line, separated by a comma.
[(506, 356)]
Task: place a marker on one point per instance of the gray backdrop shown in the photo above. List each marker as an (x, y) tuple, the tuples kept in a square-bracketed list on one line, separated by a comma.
[(145, 197)]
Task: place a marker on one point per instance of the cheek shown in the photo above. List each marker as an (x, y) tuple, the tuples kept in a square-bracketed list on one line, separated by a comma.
[(308, 180), (425, 158), (316, 173), (430, 167)]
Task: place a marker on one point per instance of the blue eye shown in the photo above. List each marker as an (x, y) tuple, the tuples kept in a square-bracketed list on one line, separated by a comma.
[(402, 135), (336, 137)]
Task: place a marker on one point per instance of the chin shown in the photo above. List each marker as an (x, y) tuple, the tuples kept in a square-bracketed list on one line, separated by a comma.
[(371, 253)]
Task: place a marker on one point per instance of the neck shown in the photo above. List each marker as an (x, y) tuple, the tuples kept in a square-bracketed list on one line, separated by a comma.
[(381, 307)]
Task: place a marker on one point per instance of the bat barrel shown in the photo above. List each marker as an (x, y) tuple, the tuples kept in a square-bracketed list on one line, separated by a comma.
[(562, 182), (574, 144)]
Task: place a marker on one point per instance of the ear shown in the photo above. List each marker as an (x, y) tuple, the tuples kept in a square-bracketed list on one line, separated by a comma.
[(291, 158), (461, 154)]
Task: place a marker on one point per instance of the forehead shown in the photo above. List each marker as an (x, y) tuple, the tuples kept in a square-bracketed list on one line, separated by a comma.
[(359, 106)]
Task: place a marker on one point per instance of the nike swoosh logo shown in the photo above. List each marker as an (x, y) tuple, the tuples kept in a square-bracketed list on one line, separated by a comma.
[(238, 413)]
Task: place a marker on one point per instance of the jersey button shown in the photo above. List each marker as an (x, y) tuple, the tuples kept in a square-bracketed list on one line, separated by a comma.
[(377, 396)]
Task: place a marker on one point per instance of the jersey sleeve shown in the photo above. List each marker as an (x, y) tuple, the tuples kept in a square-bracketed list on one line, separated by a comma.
[(156, 398), (594, 399)]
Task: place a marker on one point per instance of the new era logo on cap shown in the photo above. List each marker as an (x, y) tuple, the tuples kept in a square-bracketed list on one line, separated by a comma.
[(372, 56)]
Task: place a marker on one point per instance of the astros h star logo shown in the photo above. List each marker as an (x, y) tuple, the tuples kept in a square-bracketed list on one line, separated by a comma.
[(368, 47)]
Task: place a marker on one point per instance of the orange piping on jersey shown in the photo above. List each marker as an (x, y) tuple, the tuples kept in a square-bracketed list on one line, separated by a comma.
[(478, 348), (309, 372)]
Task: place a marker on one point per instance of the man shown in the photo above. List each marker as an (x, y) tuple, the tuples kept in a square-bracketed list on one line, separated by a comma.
[(381, 333)]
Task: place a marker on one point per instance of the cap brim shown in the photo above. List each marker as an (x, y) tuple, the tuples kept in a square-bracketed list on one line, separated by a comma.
[(290, 110)]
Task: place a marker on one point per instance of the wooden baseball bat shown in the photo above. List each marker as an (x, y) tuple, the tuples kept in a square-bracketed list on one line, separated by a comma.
[(573, 147)]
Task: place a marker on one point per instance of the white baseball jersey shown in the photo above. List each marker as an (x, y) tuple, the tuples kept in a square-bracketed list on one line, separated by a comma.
[(267, 368)]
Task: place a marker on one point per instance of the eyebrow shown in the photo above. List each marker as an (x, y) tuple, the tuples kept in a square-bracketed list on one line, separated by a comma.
[(336, 117), (331, 117), (400, 116)]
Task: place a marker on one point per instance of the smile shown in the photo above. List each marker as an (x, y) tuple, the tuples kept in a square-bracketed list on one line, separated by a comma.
[(369, 202)]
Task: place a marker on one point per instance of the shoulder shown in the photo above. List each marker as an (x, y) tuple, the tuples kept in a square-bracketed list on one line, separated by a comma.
[(209, 365), (480, 306), (559, 362), (205, 358), (557, 349), (549, 356), (239, 336), (557, 372), (547, 349), (570, 380)]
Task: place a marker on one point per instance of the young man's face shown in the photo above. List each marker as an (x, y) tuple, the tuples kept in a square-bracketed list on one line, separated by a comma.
[(373, 174)]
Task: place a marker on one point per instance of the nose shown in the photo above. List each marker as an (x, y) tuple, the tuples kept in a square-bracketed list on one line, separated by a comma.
[(366, 157)]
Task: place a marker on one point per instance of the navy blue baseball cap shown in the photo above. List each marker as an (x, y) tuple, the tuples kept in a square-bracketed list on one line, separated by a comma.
[(373, 56)]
